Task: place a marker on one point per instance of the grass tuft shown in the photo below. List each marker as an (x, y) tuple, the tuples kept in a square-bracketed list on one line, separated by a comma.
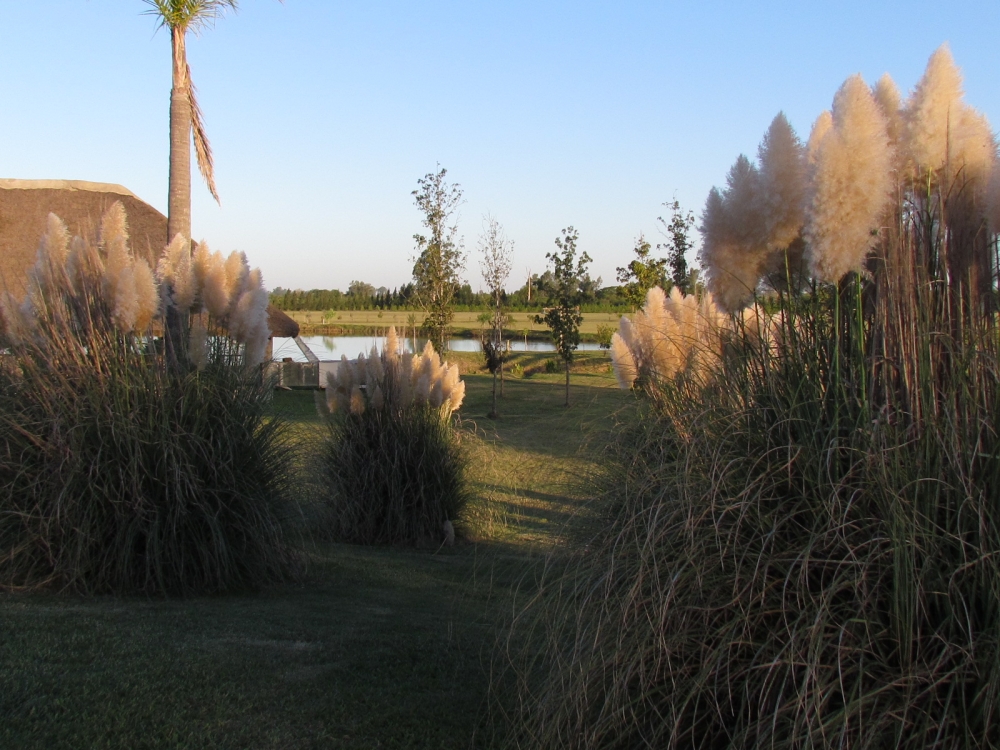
[(393, 476)]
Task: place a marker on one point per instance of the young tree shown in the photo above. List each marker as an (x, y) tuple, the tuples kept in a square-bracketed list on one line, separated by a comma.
[(564, 318), (496, 265), (440, 259), (642, 274), (679, 243)]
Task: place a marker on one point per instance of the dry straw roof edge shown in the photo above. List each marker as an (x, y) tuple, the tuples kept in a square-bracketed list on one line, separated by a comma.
[(26, 204)]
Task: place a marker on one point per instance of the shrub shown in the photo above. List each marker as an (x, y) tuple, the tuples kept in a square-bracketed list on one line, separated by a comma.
[(119, 473), (393, 469)]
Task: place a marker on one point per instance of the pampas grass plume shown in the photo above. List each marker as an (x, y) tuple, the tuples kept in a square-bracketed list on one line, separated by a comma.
[(782, 183), (55, 242), (201, 266), (237, 273), (198, 344), (83, 262), (622, 362), (735, 236), (392, 343), (457, 394), (375, 368), (974, 147), (114, 239), (933, 111), (126, 300), (397, 381), (886, 95), (670, 336), (175, 269), (215, 291), (821, 127), (16, 328), (146, 293), (50, 261), (851, 183), (357, 400)]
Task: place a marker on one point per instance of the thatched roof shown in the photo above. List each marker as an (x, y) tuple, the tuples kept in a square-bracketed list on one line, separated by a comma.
[(26, 204), (280, 324)]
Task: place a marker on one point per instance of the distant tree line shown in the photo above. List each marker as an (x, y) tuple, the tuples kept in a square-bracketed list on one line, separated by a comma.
[(539, 291), (363, 296)]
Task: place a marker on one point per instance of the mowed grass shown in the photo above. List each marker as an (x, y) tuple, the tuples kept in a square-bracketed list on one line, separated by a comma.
[(377, 648), (463, 321)]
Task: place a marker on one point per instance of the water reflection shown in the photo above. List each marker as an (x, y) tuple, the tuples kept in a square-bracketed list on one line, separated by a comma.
[(332, 347)]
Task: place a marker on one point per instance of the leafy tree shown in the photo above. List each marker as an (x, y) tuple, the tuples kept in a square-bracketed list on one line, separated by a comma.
[(564, 318), (677, 230), (360, 290), (496, 265), (440, 259), (642, 274)]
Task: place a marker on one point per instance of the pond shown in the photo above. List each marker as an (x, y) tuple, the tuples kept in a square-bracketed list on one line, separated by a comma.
[(332, 347)]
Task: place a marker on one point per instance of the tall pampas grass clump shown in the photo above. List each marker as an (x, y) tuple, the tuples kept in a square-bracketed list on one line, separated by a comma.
[(393, 469), (804, 550), (118, 473), (787, 559)]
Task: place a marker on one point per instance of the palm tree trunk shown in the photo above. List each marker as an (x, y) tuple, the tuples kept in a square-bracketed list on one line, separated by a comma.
[(179, 190)]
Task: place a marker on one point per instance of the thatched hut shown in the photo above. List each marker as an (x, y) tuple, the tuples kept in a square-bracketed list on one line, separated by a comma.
[(26, 204)]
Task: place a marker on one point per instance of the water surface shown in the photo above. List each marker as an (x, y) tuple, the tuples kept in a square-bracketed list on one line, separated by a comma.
[(332, 347)]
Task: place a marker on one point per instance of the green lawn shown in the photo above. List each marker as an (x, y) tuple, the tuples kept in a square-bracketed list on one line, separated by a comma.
[(376, 648)]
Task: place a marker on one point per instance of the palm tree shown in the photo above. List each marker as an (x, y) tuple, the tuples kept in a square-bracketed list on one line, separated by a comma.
[(185, 116)]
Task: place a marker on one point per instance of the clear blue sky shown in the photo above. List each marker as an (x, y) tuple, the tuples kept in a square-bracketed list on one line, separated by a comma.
[(323, 114)]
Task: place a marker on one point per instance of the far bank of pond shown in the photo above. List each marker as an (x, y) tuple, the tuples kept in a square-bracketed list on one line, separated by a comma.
[(333, 347)]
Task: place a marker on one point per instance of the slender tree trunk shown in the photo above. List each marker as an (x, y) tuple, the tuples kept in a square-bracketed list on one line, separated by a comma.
[(493, 413), (567, 382), (179, 190)]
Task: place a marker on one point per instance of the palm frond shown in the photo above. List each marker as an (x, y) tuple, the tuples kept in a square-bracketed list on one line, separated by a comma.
[(202, 148), (189, 14)]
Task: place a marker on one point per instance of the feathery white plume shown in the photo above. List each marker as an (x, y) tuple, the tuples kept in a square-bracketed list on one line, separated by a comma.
[(198, 344), (933, 111), (851, 183), (782, 186)]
